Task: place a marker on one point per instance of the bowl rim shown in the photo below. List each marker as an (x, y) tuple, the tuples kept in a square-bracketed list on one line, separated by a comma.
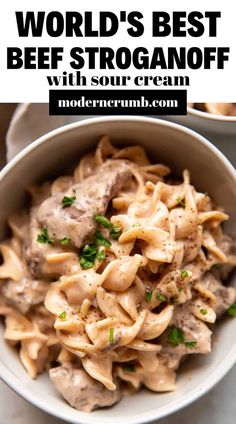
[(210, 116), (230, 359)]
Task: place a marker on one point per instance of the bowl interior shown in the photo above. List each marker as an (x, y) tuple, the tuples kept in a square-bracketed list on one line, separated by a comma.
[(166, 143)]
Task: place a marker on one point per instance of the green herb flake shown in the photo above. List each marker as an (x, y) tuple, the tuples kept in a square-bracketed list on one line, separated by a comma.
[(85, 264), (65, 241), (111, 336), (88, 255), (206, 194), (184, 273), (232, 310), (43, 237), (148, 296), (68, 201), (102, 220), (203, 311), (115, 232), (63, 315), (217, 266), (175, 336), (181, 202), (129, 368), (191, 344), (101, 240), (101, 255), (160, 297)]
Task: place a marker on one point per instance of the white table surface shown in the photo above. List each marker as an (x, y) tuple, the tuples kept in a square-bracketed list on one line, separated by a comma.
[(217, 407)]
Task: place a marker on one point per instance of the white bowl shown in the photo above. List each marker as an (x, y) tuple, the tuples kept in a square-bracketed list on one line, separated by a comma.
[(208, 124), (168, 143)]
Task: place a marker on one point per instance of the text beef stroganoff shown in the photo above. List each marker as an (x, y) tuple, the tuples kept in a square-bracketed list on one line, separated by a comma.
[(112, 276)]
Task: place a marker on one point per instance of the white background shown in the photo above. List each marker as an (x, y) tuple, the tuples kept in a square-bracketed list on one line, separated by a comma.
[(31, 85)]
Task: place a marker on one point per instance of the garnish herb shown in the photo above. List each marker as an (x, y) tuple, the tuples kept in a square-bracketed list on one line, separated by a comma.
[(148, 296), (85, 264), (206, 194), (160, 297), (43, 237), (67, 201), (190, 345), (101, 219), (176, 337), (63, 315), (181, 202), (129, 368), (101, 240), (101, 255), (203, 311), (111, 336), (232, 310), (184, 273), (115, 231), (65, 241), (88, 255), (217, 266), (90, 252)]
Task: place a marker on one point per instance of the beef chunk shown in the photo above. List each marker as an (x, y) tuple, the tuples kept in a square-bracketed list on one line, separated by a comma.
[(80, 390), (25, 293), (92, 197)]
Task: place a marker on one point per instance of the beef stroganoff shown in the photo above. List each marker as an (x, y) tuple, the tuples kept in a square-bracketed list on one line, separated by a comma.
[(113, 275)]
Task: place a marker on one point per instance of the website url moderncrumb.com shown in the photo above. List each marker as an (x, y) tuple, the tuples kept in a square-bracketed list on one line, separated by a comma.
[(117, 103), (121, 102)]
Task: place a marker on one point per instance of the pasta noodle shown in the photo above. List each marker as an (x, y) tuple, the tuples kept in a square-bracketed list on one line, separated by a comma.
[(114, 273)]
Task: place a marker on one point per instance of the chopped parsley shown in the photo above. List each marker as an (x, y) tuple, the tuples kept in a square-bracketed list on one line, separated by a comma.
[(232, 310), (68, 201), (90, 252), (160, 297), (43, 237), (148, 296), (101, 255), (181, 202), (190, 345), (206, 194), (111, 336), (63, 315), (129, 368), (176, 337), (102, 220), (65, 241), (217, 266), (101, 240), (203, 311), (85, 264), (184, 273), (115, 231), (88, 255)]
